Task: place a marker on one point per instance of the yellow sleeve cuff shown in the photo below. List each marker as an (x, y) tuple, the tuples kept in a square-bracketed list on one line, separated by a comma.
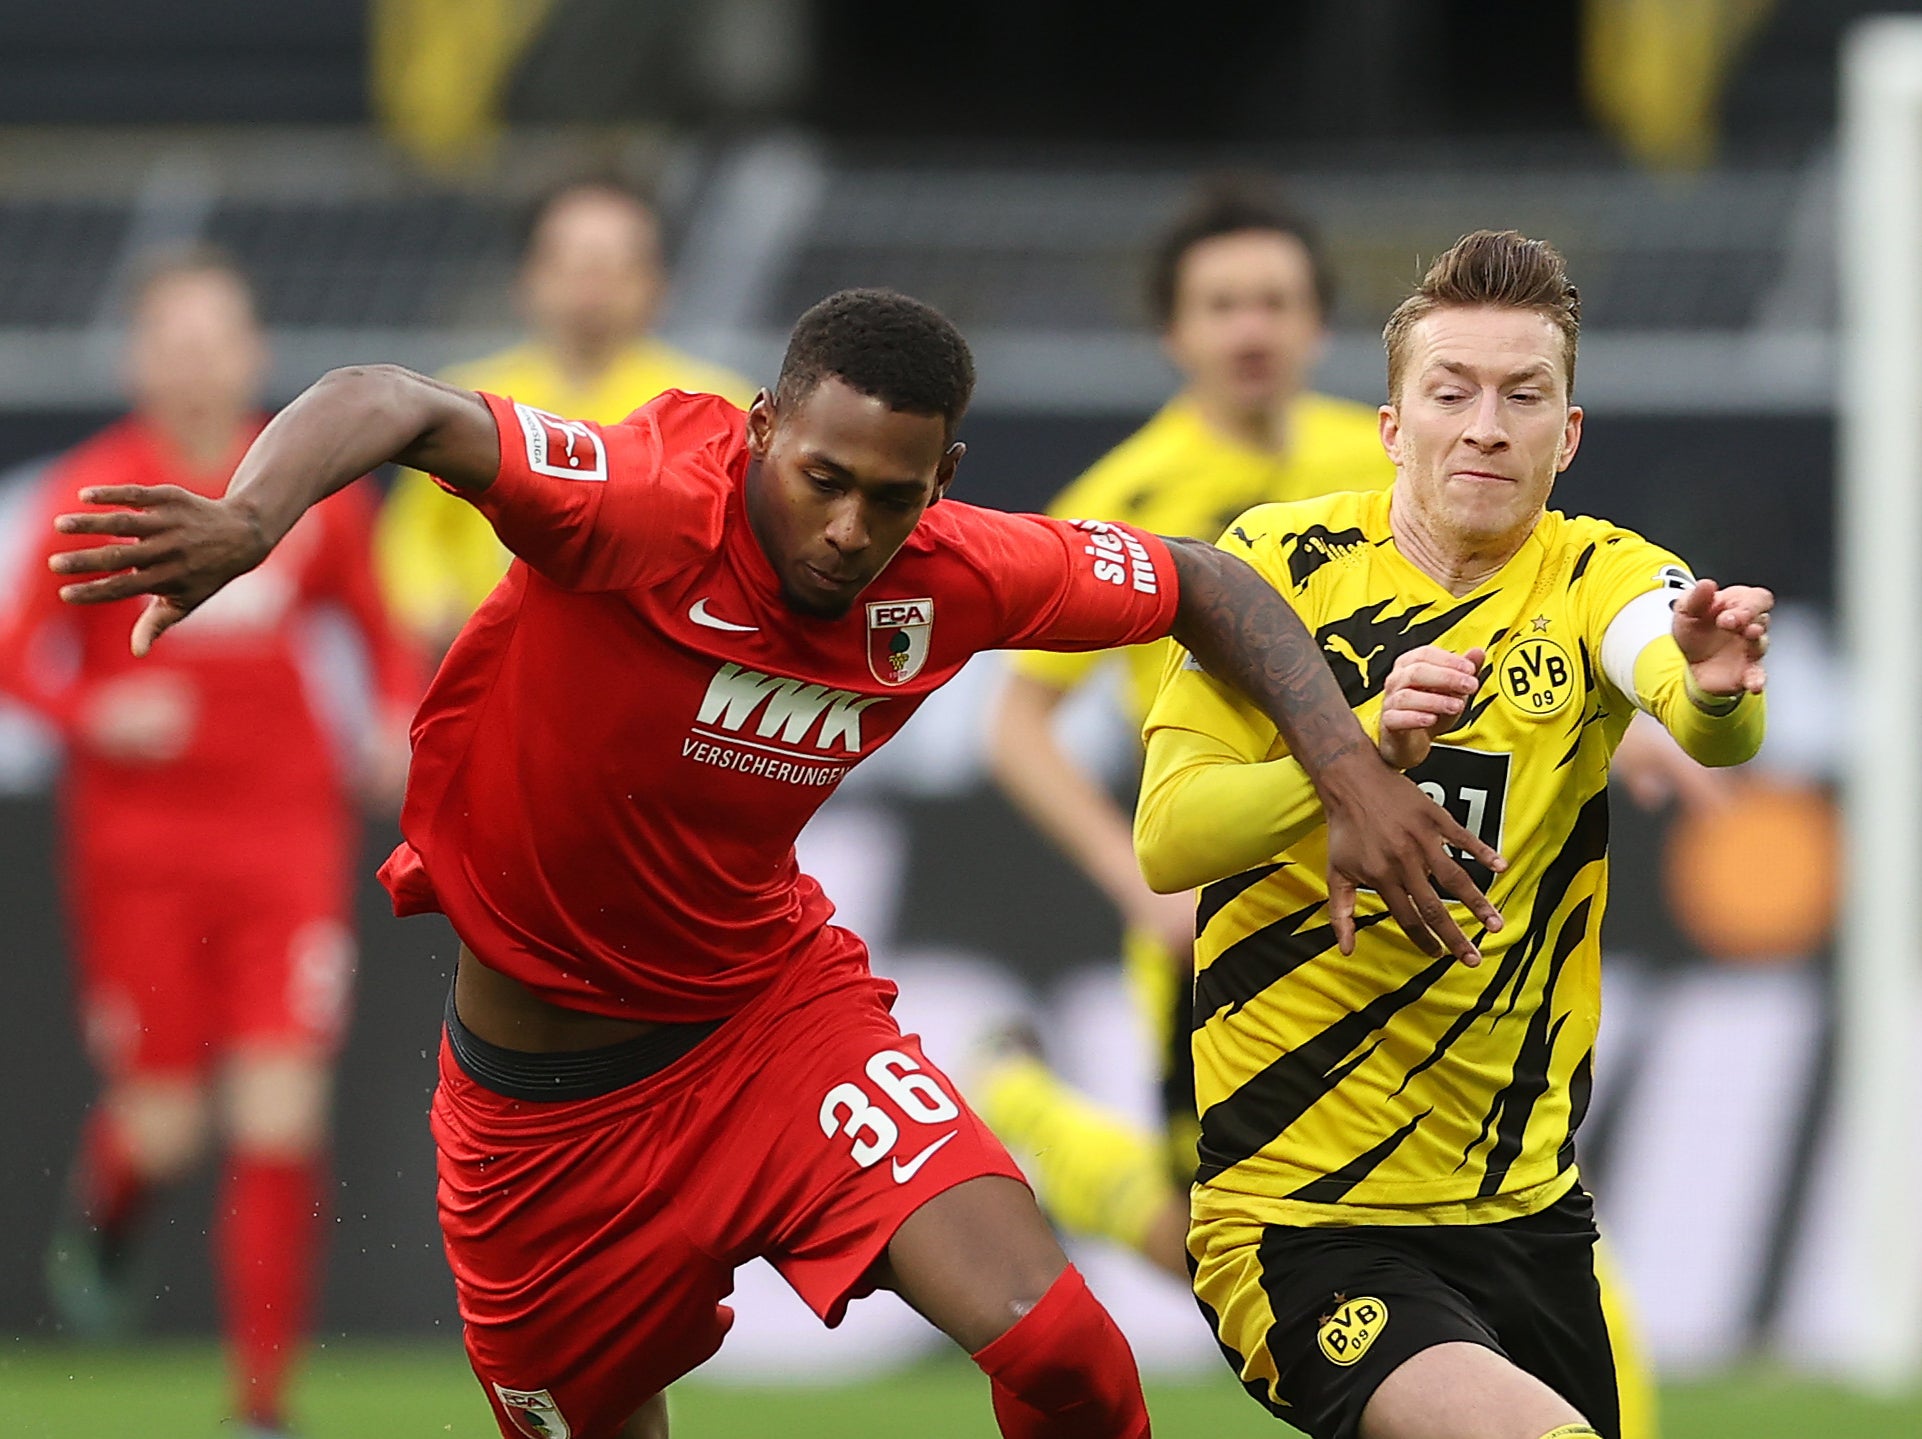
[(1710, 729)]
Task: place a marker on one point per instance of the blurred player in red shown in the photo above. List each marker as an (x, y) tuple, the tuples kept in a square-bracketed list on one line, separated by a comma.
[(662, 1059), (209, 836)]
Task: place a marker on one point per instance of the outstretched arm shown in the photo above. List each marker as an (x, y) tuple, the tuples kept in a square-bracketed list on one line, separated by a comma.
[(1383, 833), (185, 546), (1696, 666)]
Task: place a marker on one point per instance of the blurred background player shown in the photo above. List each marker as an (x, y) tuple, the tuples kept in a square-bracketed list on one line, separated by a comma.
[(208, 838), (1240, 292), (592, 282)]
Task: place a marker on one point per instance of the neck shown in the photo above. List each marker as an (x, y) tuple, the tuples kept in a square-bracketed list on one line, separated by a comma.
[(204, 443), (1264, 428), (583, 359), (1453, 560)]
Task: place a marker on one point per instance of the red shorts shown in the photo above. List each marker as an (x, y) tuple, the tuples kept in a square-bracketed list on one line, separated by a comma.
[(593, 1240), (180, 964)]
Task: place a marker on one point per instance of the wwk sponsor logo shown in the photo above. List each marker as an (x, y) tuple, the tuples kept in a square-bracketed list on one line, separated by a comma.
[(777, 727)]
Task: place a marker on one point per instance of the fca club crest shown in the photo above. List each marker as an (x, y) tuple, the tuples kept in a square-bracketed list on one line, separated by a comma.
[(534, 1413), (898, 634)]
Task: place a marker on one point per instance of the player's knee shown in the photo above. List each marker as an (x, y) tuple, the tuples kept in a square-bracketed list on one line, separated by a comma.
[(1066, 1356), (276, 1104), (163, 1123)]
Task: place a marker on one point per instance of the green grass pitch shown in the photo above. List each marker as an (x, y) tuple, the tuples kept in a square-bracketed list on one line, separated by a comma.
[(368, 1390)]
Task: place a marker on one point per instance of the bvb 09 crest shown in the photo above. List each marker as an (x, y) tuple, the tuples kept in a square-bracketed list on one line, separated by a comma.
[(1345, 1335)]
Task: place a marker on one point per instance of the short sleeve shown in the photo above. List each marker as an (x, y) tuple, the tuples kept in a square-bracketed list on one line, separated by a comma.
[(1077, 584), (601, 507)]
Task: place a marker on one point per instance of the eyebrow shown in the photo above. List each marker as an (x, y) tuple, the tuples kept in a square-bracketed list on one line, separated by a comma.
[(817, 460), (1456, 367)]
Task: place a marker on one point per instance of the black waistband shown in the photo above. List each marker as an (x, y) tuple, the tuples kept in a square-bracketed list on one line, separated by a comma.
[(572, 1074)]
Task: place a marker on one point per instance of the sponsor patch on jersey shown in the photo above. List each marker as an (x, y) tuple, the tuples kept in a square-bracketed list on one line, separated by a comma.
[(1537, 677), (534, 1413), (898, 635), (1118, 557), (1346, 1334), (565, 449)]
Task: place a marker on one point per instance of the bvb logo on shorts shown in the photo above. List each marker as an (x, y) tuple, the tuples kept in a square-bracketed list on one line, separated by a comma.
[(534, 1412), (1345, 1335), (1536, 676)]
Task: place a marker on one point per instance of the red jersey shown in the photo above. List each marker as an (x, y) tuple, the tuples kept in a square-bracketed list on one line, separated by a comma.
[(612, 766), (256, 758)]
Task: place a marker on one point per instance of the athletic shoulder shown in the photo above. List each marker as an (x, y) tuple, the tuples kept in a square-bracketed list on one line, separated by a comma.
[(661, 366), (514, 370), (1291, 541), (1608, 564), (1126, 481)]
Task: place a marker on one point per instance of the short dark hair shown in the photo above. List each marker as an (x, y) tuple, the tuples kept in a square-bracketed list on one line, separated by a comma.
[(906, 354), (1230, 205), (153, 268), (609, 183)]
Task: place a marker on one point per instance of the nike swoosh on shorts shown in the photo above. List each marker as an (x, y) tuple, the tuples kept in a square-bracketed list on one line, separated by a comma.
[(904, 1172)]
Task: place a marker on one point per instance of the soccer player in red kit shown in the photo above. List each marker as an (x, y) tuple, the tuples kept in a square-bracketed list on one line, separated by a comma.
[(207, 843), (661, 1058)]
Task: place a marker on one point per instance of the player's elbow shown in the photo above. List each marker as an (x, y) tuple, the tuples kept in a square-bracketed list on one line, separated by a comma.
[(1166, 865)]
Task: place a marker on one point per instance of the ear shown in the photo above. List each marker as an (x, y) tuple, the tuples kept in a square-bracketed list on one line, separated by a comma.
[(1390, 423), (760, 424), (1571, 438), (944, 472)]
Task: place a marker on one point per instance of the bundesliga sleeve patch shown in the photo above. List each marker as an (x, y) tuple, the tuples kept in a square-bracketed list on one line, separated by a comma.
[(1674, 577), (564, 449)]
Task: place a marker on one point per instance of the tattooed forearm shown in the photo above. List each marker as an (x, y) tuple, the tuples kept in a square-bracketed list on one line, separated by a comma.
[(1245, 634)]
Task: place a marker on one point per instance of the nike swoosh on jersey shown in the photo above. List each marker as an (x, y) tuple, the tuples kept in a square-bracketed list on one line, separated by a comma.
[(698, 613), (904, 1172)]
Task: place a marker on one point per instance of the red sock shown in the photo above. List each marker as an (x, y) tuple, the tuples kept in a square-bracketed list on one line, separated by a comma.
[(111, 1192), (269, 1238), (1065, 1372)]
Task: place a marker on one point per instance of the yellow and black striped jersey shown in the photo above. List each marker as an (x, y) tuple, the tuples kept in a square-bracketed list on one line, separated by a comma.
[(1176, 476), (1387, 1087)]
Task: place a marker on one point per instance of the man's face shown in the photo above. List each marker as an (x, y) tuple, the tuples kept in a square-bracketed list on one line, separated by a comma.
[(592, 275), (1247, 327), (839, 483), (194, 349), (1482, 425)]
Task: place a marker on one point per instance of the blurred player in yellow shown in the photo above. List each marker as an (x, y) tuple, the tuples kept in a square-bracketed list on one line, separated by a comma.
[(1388, 1232), (591, 284), (1239, 291)]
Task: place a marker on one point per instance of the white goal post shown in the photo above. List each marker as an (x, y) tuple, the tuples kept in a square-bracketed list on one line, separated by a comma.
[(1879, 592)]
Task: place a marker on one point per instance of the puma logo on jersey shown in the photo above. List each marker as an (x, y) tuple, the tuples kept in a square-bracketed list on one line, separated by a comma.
[(1340, 643), (783, 708)]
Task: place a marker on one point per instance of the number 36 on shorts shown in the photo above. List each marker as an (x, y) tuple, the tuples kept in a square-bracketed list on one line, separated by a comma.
[(850, 1108)]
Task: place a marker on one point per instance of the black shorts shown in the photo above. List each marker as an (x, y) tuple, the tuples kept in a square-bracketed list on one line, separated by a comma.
[(1312, 1320)]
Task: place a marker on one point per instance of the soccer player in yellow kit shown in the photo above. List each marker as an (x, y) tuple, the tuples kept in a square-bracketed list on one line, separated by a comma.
[(591, 281), (1241, 295), (1388, 1232)]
